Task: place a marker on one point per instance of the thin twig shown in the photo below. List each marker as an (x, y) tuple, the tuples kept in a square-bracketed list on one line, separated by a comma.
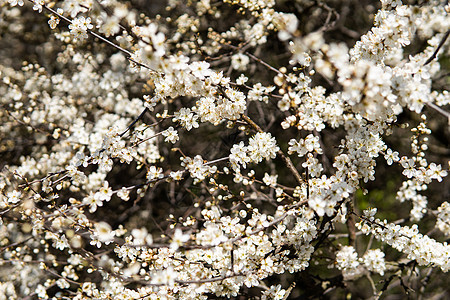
[(289, 290), (96, 35), (264, 63), (15, 244), (444, 38), (439, 110), (134, 122), (232, 240), (372, 284)]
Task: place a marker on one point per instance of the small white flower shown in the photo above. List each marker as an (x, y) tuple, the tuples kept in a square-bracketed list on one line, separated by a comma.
[(15, 2), (186, 118), (53, 22), (38, 5), (178, 239), (270, 180), (374, 261), (105, 192), (14, 197), (104, 232), (238, 156), (242, 79), (318, 205), (93, 202), (79, 28), (124, 194), (200, 69), (347, 258), (176, 175), (435, 172), (171, 135), (239, 61), (155, 173), (262, 146), (391, 156)]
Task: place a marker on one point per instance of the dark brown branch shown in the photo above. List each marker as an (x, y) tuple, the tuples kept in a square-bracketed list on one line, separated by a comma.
[(134, 122), (351, 225), (444, 38)]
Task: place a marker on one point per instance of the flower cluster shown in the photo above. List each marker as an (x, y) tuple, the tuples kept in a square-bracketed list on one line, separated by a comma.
[(261, 146), (353, 267), (79, 28), (421, 248)]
